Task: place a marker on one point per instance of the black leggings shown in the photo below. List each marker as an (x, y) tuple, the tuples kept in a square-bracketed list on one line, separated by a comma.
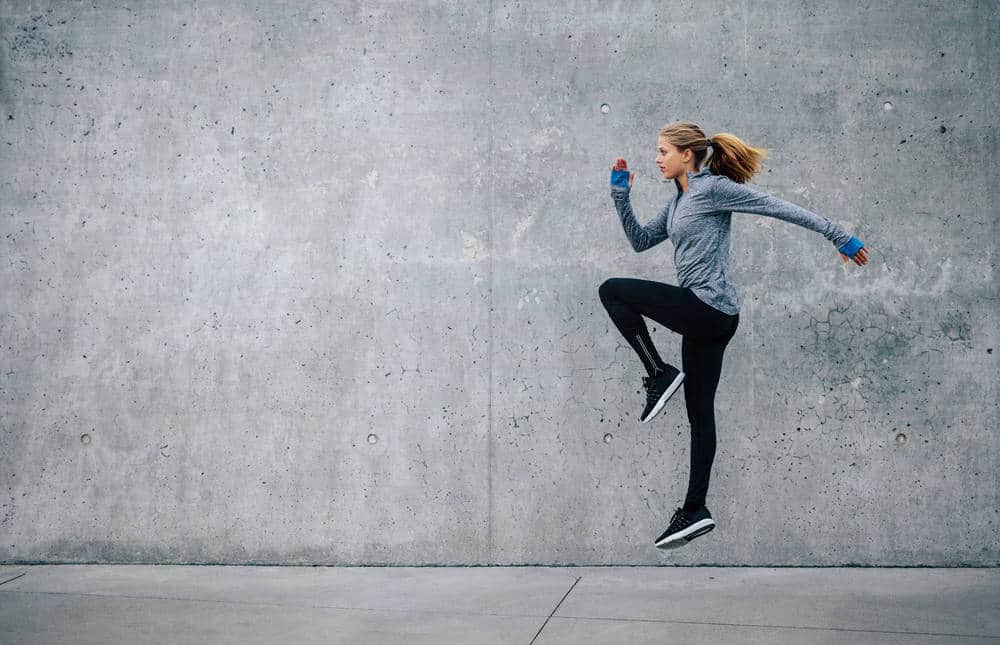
[(706, 332)]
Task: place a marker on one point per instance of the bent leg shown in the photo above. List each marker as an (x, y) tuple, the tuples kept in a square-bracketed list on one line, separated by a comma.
[(627, 300)]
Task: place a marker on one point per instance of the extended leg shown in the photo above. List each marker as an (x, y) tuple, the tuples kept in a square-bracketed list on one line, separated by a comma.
[(702, 361)]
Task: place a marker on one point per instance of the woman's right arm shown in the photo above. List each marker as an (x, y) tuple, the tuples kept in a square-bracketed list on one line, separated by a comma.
[(641, 237)]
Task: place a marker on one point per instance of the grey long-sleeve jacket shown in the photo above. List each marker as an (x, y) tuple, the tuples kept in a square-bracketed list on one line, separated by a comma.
[(698, 220)]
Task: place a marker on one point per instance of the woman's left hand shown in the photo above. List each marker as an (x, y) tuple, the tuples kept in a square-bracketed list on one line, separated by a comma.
[(860, 258)]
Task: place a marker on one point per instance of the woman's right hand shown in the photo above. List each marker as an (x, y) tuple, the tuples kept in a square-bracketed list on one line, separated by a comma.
[(620, 164)]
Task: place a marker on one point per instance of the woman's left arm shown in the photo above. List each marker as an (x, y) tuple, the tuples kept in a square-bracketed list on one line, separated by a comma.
[(728, 195)]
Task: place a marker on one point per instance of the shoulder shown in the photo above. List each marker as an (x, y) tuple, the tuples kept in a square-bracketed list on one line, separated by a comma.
[(716, 184), (724, 186)]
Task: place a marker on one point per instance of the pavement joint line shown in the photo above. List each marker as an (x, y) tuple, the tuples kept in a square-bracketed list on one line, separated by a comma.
[(765, 626), (556, 609), (3, 582)]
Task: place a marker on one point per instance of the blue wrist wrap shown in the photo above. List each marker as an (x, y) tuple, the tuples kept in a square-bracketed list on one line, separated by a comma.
[(852, 247), (619, 178)]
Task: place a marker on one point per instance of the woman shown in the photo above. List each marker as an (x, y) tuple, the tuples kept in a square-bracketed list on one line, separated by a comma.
[(704, 308)]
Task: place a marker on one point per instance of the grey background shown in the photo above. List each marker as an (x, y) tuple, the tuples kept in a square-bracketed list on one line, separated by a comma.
[(240, 239)]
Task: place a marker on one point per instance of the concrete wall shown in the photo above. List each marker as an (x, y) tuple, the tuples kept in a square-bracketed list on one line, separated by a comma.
[(289, 283)]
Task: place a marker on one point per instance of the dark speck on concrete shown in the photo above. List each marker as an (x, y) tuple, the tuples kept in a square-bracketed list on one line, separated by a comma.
[(943, 129)]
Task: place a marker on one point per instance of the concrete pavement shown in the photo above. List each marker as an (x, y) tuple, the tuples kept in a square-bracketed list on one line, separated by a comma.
[(545, 605)]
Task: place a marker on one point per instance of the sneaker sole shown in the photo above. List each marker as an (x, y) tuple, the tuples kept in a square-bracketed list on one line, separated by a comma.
[(663, 399), (679, 539)]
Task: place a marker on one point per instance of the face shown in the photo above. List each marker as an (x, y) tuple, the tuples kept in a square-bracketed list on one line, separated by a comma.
[(672, 163)]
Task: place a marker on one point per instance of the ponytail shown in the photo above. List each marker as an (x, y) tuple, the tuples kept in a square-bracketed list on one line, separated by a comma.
[(731, 156), (734, 158)]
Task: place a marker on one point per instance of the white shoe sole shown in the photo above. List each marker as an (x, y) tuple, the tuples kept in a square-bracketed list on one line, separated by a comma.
[(681, 538), (663, 399)]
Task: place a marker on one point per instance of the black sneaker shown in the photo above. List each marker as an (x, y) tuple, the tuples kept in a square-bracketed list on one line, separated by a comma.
[(684, 527), (659, 388)]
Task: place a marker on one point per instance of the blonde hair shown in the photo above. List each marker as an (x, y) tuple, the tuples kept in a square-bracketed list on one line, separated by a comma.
[(731, 156)]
